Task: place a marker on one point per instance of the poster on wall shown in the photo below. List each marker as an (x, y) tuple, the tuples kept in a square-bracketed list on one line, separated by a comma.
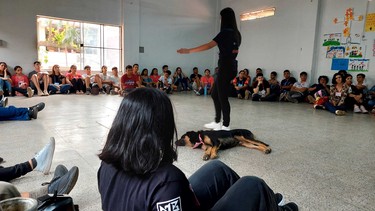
[(335, 52), (332, 39), (340, 64), (358, 65), (370, 22), (354, 51), (354, 65)]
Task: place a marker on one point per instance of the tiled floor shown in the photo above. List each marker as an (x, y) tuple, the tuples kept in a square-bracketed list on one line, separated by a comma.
[(319, 160)]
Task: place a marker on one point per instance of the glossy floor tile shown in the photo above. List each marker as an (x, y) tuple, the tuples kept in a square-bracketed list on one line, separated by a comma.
[(319, 160)]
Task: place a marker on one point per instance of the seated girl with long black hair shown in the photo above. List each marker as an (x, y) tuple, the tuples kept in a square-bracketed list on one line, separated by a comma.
[(137, 171)]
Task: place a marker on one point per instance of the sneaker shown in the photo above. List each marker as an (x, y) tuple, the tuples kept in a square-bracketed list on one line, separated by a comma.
[(319, 107), (30, 92), (282, 96), (44, 157), (291, 206), (113, 92), (356, 109), (224, 128), (239, 96), (363, 109), (33, 113), (4, 102), (88, 92), (290, 99), (279, 199), (247, 93), (311, 99), (39, 106), (108, 91), (340, 112), (213, 125), (101, 91), (63, 180)]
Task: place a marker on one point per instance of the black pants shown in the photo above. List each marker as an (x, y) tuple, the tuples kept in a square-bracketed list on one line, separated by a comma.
[(218, 187), (20, 90), (9, 173), (77, 85), (220, 90)]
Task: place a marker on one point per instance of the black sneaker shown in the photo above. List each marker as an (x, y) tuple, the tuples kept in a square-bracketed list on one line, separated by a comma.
[(63, 184), (279, 199), (39, 106), (33, 113), (291, 206)]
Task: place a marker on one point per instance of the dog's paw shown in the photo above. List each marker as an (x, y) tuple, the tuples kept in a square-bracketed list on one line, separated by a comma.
[(206, 157), (268, 151)]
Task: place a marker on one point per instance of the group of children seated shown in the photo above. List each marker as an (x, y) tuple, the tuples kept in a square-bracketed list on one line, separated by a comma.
[(343, 94)]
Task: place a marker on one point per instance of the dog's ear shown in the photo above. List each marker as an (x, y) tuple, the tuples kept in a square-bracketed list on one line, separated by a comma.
[(193, 136), (181, 141)]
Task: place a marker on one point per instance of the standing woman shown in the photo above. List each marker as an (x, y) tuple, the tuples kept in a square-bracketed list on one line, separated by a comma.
[(228, 40)]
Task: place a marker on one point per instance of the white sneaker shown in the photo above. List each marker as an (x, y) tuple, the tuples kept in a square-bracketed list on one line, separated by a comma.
[(44, 157), (363, 109), (3, 101), (30, 92), (225, 128), (356, 109), (213, 125)]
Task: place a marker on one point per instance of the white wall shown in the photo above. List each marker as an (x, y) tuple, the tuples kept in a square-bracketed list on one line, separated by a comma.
[(163, 26), (283, 41), (293, 38), (331, 10), (18, 23)]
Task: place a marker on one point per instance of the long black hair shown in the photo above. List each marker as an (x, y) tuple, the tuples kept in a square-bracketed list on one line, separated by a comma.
[(228, 21), (142, 133)]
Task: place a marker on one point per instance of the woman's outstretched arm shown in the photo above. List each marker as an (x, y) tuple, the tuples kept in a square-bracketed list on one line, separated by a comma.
[(200, 48)]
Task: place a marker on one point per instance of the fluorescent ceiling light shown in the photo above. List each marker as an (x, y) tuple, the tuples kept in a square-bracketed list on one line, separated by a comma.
[(258, 14)]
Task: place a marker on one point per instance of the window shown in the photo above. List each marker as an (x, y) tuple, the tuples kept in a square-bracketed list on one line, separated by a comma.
[(257, 14), (67, 42)]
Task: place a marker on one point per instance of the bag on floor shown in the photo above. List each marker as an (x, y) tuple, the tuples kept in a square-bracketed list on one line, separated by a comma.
[(56, 203), (95, 89)]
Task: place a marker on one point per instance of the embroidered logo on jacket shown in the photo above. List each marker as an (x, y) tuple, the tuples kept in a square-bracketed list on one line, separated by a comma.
[(170, 205)]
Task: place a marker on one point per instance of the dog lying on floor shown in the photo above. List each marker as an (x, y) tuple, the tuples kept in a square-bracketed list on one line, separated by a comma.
[(211, 141)]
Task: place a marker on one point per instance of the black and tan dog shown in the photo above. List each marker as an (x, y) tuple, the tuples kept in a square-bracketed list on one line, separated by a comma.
[(211, 141)]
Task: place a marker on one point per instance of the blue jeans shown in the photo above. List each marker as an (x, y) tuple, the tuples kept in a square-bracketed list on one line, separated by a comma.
[(182, 82), (371, 103), (218, 187), (13, 113), (6, 85), (331, 108), (64, 88)]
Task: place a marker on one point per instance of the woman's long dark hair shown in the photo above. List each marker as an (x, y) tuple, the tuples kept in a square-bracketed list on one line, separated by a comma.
[(141, 136), (228, 21)]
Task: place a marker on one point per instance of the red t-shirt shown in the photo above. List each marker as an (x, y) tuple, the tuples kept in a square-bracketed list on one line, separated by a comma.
[(70, 76), (129, 83), (155, 78), (209, 81), (20, 81)]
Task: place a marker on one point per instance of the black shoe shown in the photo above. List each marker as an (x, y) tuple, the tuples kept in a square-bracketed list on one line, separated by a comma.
[(279, 199), (39, 106), (33, 113), (63, 183), (291, 206)]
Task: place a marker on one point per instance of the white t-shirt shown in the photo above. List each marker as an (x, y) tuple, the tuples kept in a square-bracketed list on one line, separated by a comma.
[(92, 77), (301, 84)]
